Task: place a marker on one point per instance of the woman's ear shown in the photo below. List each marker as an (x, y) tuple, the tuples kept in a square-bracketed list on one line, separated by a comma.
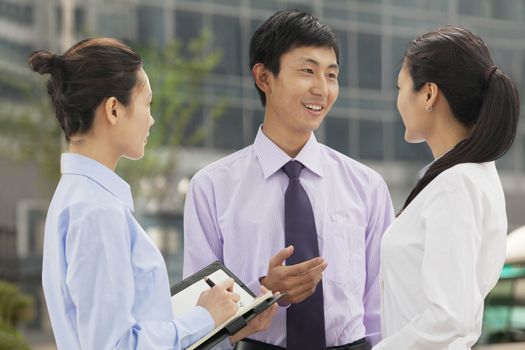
[(431, 91), (261, 76), (111, 107)]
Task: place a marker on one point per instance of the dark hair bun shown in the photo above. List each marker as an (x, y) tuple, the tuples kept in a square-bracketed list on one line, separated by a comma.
[(43, 62), (83, 76)]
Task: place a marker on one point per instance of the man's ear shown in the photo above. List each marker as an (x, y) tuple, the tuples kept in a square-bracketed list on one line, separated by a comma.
[(111, 107), (261, 76)]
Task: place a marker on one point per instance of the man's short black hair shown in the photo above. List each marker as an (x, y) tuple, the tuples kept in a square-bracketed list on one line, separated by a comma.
[(283, 32)]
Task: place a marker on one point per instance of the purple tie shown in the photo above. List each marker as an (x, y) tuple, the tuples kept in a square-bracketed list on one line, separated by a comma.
[(305, 320)]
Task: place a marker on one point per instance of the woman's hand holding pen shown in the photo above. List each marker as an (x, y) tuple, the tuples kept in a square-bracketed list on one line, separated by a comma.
[(220, 301), (297, 281)]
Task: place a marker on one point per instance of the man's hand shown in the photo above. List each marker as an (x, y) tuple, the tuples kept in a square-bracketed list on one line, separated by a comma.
[(298, 281), (257, 324)]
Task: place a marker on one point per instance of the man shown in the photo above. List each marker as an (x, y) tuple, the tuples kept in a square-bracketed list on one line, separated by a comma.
[(288, 190)]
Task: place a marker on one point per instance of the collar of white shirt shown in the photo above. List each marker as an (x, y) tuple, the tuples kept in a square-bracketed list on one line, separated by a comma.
[(272, 158), (73, 163)]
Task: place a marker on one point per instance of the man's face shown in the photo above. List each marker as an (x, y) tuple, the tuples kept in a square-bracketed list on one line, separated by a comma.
[(303, 92)]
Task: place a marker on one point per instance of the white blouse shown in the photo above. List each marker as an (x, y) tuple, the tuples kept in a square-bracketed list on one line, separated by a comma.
[(439, 260)]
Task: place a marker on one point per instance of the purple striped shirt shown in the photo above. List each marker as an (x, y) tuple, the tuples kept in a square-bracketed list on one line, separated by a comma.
[(234, 212)]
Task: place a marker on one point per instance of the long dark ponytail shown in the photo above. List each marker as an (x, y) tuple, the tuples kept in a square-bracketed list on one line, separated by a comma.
[(480, 95)]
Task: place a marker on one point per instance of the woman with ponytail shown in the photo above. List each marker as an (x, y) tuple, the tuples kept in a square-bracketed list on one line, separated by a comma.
[(445, 250), (105, 282)]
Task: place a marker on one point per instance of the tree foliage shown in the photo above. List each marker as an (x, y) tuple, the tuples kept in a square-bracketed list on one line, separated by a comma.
[(15, 307), (177, 75), (28, 129)]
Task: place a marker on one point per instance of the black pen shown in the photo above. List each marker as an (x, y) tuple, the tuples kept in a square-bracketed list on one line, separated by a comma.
[(209, 282)]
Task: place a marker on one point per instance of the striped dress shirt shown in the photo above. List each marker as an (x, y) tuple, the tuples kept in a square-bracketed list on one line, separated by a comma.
[(234, 212)]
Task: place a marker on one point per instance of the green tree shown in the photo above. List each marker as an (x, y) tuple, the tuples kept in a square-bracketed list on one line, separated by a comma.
[(28, 131), (15, 307), (177, 83)]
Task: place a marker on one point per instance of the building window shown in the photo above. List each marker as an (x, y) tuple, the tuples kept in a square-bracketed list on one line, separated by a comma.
[(514, 158), (193, 128), (254, 24), (150, 25), (234, 3), (112, 25), (300, 6), (15, 51), (227, 38), (405, 3), (371, 139), (521, 84), (257, 121), (399, 46), (337, 9), (470, 7), (369, 69), (270, 5), (228, 130), (409, 151), (20, 13), (506, 10), (433, 5), (337, 131), (522, 139), (504, 59), (508, 160), (79, 20), (344, 58), (188, 26)]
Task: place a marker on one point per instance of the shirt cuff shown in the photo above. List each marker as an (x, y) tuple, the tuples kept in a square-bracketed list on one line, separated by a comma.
[(255, 285), (193, 325)]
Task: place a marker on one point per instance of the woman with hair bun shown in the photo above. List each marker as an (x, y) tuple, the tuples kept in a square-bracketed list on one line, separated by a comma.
[(445, 250), (105, 282)]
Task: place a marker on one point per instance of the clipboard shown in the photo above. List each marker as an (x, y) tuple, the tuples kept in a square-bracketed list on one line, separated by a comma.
[(184, 296)]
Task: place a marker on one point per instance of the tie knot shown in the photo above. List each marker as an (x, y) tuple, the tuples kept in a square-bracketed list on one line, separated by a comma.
[(293, 169)]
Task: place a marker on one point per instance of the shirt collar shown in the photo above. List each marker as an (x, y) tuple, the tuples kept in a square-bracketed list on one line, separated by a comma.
[(73, 163), (272, 158)]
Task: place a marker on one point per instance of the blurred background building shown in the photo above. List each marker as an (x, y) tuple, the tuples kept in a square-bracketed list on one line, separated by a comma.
[(364, 122)]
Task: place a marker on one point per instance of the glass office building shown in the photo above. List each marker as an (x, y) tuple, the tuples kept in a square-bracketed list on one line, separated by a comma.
[(372, 34)]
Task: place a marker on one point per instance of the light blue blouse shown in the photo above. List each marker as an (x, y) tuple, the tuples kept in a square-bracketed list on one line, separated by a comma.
[(105, 282)]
